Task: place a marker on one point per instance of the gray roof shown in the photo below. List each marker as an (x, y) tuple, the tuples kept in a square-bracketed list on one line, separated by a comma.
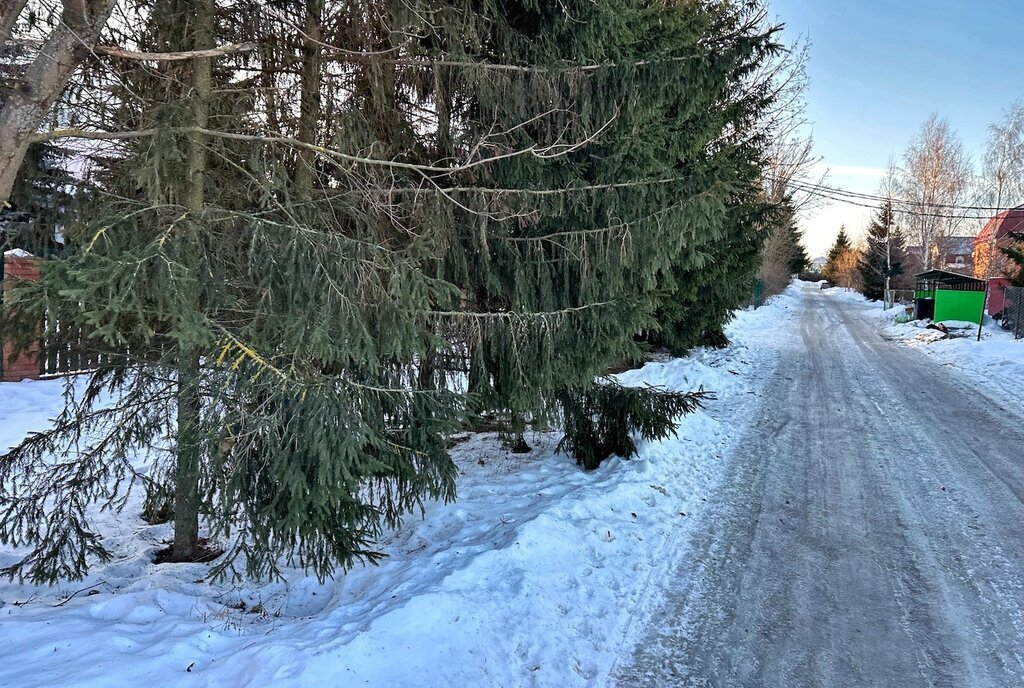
[(961, 245)]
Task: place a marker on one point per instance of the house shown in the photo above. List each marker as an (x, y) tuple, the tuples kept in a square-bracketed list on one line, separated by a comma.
[(989, 261), (957, 254), (954, 254)]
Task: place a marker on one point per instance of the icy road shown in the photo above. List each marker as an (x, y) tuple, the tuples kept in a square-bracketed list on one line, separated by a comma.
[(870, 530)]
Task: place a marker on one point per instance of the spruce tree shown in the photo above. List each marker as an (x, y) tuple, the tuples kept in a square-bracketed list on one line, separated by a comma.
[(307, 268), (268, 344), (835, 254), (799, 261), (34, 215), (1014, 251), (885, 254)]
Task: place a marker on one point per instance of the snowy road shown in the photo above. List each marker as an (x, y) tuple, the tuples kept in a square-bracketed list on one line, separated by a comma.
[(869, 531)]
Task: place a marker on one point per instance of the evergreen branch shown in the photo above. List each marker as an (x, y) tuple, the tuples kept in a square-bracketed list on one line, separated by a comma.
[(543, 153), (620, 225), (554, 192), (512, 315), (527, 69)]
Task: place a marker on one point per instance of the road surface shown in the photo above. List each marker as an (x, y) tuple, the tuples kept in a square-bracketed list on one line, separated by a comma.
[(869, 532)]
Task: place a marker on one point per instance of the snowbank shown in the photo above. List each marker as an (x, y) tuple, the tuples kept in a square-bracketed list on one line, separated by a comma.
[(537, 576), (994, 364)]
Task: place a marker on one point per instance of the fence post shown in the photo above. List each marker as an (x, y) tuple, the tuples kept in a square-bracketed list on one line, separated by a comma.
[(19, 265), (757, 298), (1013, 311)]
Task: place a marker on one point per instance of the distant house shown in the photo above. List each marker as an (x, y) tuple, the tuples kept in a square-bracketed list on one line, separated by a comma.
[(957, 254), (954, 254)]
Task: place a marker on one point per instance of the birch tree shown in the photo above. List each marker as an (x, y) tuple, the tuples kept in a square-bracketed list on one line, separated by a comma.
[(1002, 179), (1003, 161), (936, 178), (25, 105)]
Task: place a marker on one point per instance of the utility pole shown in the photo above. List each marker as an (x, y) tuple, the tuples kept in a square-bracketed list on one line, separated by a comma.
[(991, 247), (888, 256)]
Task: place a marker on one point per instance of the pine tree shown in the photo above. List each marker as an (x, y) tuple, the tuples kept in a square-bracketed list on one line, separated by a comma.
[(840, 246), (273, 342), (885, 254), (613, 233), (842, 261)]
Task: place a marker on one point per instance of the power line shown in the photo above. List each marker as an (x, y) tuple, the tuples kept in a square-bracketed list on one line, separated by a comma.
[(876, 197), (902, 206)]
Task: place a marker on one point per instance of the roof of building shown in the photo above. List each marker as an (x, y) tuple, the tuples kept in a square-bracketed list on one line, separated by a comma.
[(948, 278), (963, 245), (1001, 225)]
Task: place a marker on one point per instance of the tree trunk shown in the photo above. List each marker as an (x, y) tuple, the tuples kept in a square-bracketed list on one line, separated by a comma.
[(309, 108), (44, 80), (188, 467)]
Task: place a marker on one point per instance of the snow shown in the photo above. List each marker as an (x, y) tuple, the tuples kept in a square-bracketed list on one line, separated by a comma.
[(17, 253), (995, 364), (537, 576)]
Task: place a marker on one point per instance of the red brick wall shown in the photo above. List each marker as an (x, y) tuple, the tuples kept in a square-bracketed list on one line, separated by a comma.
[(26, 365)]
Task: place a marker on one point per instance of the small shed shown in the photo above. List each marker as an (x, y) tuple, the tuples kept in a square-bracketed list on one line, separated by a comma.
[(943, 295)]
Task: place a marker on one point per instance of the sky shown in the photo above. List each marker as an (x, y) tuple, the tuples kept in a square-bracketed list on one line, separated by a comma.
[(879, 68)]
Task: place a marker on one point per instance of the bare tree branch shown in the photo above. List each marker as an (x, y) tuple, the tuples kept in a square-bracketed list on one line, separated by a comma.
[(113, 51), (44, 80), (10, 10)]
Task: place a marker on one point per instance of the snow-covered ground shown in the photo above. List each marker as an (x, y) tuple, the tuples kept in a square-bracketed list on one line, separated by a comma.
[(537, 576), (995, 363)]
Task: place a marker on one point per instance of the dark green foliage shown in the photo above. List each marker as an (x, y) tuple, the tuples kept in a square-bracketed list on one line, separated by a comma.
[(839, 247), (1015, 252), (885, 254), (700, 300), (38, 203), (799, 261), (657, 238), (294, 461), (335, 325), (602, 420)]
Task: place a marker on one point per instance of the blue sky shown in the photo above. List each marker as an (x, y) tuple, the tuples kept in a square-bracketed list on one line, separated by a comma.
[(879, 68)]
